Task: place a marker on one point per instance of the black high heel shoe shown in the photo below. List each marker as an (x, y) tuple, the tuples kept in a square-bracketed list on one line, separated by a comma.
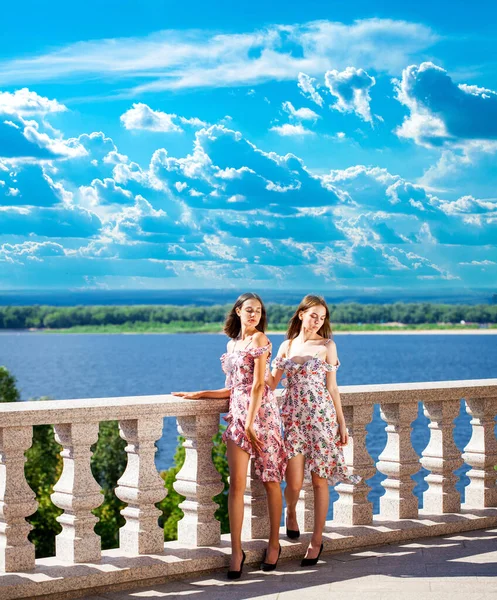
[(270, 566), (293, 534), (237, 574), (310, 562)]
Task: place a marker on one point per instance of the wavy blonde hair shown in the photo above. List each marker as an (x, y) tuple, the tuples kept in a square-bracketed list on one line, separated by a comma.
[(295, 323)]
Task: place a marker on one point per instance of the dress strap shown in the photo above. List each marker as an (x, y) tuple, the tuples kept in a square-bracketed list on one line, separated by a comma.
[(247, 345), (249, 341), (258, 351)]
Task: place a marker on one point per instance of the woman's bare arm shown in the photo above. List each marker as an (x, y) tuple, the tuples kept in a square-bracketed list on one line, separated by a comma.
[(277, 374), (331, 384), (207, 394), (259, 340)]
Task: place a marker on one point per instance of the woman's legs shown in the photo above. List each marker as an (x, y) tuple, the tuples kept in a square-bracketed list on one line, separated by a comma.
[(321, 503), (238, 461), (275, 506), (294, 479)]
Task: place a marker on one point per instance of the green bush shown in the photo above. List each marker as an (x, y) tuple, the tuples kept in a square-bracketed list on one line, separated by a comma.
[(43, 469), (8, 388), (108, 464)]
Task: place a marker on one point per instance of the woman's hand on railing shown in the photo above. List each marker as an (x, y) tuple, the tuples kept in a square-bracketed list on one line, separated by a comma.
[(190, 395), (209, 394)]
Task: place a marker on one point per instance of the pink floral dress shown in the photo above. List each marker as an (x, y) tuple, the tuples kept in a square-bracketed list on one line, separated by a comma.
[(310, 421), (270, 463)]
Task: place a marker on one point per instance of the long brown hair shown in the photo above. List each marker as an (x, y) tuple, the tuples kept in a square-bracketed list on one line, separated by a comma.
[(295, 323), (233, 324)]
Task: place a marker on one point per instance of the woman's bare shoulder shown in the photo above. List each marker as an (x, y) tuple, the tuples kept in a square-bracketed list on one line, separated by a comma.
[(331, 351), (283, 349), (260, 339)]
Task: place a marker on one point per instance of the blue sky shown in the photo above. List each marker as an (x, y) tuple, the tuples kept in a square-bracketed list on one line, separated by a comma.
[(321, 146)]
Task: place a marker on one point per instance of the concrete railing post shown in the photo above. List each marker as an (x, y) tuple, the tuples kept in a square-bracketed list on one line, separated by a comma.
[(481, 453), (256, 517), (398, 462), (199, 481), (77, 493), (17, 501), (141, 488), (441, 457), (353, 506)]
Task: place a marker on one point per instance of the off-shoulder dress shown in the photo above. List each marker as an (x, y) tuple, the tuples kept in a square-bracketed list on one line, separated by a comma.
[(270, 463), (310, 421)]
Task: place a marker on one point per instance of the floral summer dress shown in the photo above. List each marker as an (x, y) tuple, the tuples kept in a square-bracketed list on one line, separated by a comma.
[(270, 463), (310, 421)]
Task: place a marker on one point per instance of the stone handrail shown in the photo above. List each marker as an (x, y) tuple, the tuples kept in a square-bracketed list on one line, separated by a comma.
[(76, 424)]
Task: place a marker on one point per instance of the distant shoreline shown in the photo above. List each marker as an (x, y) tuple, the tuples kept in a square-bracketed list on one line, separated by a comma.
[(379, 331), (422, 332)]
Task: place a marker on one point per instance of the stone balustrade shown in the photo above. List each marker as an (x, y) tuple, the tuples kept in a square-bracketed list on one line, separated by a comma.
[(81, 568)]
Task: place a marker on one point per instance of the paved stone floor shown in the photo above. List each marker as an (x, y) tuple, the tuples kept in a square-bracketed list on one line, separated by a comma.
[(458, 567)]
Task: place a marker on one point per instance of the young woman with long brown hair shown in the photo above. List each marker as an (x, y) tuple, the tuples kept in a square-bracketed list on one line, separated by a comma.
[(313, 421), (254, 424)]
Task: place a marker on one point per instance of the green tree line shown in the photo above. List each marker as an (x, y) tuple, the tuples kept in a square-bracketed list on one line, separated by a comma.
[(44, 467), (54, 317)]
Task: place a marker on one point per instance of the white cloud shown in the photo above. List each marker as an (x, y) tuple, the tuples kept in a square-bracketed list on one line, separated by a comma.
[(25, 102), (291, 130), (220, 249), (195, 58), (229, 212), (308, 89), (351, 89), (443, 113), (462, 170), (468, 205), (18, 253), (141, 116), (59, 147), (193, 122), (301, 114), (27, 140), (479, 263)]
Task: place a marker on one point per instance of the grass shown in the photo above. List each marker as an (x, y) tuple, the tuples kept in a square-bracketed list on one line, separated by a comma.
[(404, 327), (143, 327)]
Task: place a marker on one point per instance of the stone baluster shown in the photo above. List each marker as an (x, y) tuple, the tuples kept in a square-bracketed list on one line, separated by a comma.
[(353, 506), (17, 501), (305, 507), (481, 453), (199, 481), (77, 493), (398, 462), (141, 488), (441, 457), (255, 517)]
